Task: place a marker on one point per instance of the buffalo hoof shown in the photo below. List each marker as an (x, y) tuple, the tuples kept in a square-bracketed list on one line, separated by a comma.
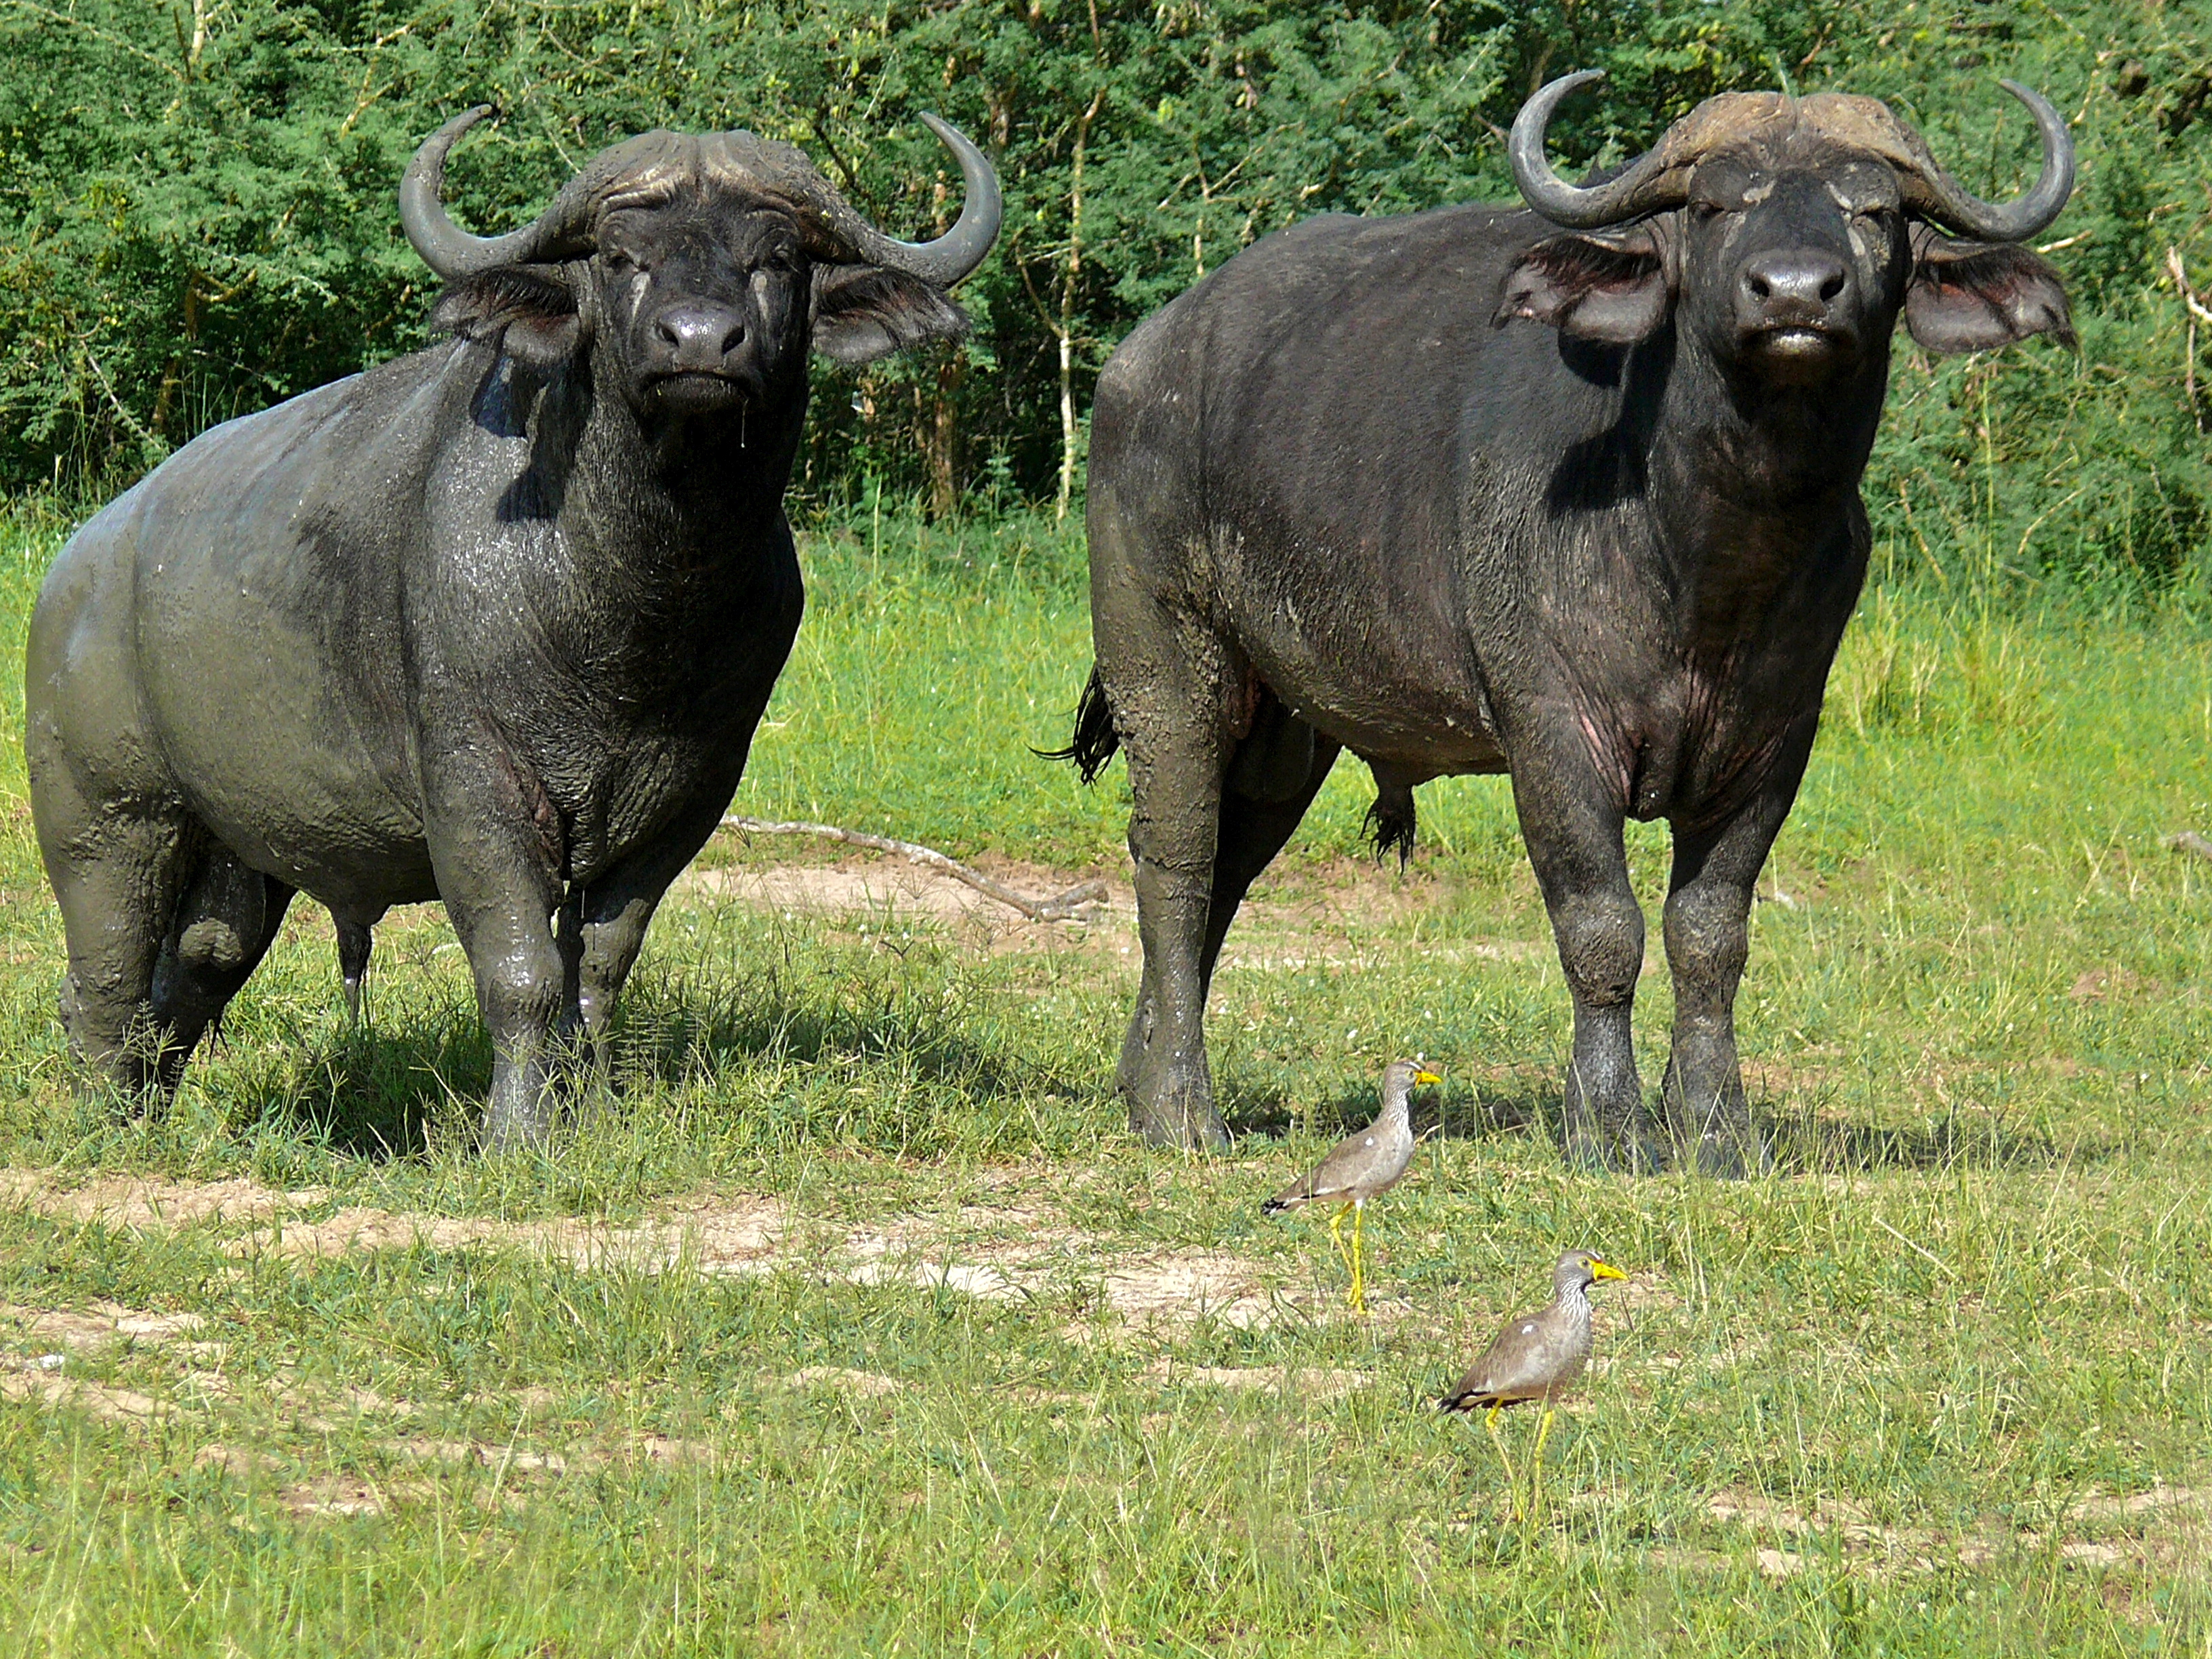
[(1184, 1120), (1729, 1156), (1598, 1151)]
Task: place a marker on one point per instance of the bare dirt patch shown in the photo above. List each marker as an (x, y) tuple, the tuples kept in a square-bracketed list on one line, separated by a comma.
[(2097, 984), (140, 1203), (1019, 1257), (239, 1462), (741, 1237), (1778, 1563), (885, 895), (711, 1236), (56, 1337), (100, 1326), (868, 1385), (1300, 918), (50, 1386), (1180, 1285), (348, 1495), (2163, 1523)]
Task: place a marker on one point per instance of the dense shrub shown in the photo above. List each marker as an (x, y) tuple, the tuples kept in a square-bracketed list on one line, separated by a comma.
[(196, 204)]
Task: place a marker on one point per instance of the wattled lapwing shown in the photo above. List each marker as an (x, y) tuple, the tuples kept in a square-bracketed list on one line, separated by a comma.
[(1538, 1356), (1360, 1166)]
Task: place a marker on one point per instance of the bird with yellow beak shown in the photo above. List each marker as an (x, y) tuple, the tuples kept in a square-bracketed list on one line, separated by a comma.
[(1537, 1356), (1359, 1167)]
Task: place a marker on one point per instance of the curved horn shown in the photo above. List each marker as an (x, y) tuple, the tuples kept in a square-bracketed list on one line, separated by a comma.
[(961, 249), (445, 246), (1561, 202), (2017, 220)]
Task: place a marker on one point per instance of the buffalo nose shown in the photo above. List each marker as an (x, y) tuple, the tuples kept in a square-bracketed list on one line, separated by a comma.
[(1802, 280), (700, 335)]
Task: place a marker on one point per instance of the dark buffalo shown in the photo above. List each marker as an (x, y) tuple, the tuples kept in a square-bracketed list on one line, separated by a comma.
[(1462, 492), (492, 623)]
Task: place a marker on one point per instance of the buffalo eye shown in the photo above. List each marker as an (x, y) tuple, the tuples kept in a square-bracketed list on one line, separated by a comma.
[(1705, 213)]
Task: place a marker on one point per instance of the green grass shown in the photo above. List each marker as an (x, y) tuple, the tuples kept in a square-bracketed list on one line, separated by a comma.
[(1921, 1367)]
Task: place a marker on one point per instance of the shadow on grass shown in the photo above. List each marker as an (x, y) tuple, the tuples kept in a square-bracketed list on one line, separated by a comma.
[(373, 1092), (1806, 1143), (387, 1092), (795, 1044), (1510, 1107), (672, 1034)]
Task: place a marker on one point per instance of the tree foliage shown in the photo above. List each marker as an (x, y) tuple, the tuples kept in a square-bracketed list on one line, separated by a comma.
[(196, 203)]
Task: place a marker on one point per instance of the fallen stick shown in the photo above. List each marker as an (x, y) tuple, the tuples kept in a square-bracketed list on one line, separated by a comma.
[(2189, 841), (1061, 907)]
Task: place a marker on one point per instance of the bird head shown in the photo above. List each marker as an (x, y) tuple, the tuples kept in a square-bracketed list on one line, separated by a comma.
[(1583, 1269), (1409, 1073)]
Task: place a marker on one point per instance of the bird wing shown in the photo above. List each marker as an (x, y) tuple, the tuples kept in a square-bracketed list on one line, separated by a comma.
[(1351, 1162), (1517, 1365)]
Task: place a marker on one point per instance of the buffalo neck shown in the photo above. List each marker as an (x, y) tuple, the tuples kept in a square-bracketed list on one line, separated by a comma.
[(669, 504), (1749, 483)]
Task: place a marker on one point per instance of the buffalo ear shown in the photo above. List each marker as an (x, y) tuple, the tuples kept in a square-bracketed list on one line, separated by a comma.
[(1592, 288), (528, 312), (862, 313), (1975, 296)]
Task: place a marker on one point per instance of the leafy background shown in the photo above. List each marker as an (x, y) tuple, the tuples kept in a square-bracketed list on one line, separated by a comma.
[(196, 219)]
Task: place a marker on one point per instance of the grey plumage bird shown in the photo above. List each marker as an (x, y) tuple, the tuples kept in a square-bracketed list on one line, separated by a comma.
[(1539, 1357), (1360, 1166)]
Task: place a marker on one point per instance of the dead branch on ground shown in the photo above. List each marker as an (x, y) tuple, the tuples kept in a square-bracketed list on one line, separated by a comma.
[(1061, 907)]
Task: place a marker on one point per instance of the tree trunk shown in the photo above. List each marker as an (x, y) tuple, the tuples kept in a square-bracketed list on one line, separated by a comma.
[(940, 436), (1070, 434)]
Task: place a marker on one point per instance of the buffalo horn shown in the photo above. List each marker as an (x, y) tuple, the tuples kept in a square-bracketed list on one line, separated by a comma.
[(2020, 219), (1656, 180), (452, 253), (951, 256), (445, 246), (1564, 203)]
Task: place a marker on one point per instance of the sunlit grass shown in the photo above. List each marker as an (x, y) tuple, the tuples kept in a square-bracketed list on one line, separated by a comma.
[(1974, 1296)]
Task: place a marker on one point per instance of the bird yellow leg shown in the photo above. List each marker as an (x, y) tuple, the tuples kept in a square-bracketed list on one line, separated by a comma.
[(1536, 1474), (1359, 1276), (1336, 1235), (1512, 1479)]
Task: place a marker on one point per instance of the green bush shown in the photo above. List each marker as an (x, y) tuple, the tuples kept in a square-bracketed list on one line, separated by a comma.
[(196, 219)]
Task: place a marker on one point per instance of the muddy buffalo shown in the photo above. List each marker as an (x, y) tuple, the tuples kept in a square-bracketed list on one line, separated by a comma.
[(492, 623), (1569, 494)]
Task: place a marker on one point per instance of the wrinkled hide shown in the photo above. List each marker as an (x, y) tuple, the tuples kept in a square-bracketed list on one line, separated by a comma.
[(492, 623), (1469, 492)]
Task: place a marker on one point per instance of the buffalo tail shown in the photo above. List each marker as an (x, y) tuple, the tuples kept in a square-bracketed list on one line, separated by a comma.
[(1095, 740)]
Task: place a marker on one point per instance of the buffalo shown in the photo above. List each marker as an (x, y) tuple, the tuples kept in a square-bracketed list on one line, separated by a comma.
[(1570, 494), (492, 623)]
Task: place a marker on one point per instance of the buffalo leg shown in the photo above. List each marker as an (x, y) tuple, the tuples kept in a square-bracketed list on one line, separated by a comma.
[(1708, 939), (609, 919), (223, 927), (1251, 833), (1178, 749), (117, 899), (356, 940), (502, 891), (1574, 840)]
